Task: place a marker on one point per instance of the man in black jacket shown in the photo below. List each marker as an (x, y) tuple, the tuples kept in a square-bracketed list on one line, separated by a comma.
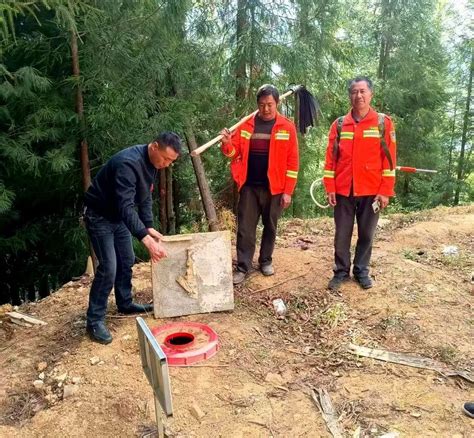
[(125, 182)]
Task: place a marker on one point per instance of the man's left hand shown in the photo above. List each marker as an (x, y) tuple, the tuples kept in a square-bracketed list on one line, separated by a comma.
[(383, 200), (155, 234), (285, 200)]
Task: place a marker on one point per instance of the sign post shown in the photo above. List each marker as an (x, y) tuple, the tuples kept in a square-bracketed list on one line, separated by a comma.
[(155, 367)]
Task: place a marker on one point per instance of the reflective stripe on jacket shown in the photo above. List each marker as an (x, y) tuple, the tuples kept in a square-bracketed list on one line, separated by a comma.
[(361, 160), (283, 159)]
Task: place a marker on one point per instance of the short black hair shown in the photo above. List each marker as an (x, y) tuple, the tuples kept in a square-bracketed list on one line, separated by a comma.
[(365, 79), (268, 90), (169, 139)]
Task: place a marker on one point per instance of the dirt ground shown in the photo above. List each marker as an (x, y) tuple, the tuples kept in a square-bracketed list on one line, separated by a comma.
[(259, 383)]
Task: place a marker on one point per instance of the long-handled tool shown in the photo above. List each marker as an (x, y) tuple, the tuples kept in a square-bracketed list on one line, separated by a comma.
[(319, 181), (308, 112)]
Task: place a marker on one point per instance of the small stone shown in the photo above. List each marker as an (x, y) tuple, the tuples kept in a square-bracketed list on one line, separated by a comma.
[(61, 377), (69, 390), (101, 362), (196, 411), (41, 376), (415, 414), (126, 337), (116, 367), (274, 379), (66, 353), (60, 384), (38, 384), (41, 366), (76, 380), (94, 360)]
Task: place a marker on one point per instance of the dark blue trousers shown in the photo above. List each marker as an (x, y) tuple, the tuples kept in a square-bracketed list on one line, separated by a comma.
[(112, 243)]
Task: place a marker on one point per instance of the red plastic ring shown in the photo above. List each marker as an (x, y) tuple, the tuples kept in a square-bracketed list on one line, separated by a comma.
[(179, 341), (203, 345)]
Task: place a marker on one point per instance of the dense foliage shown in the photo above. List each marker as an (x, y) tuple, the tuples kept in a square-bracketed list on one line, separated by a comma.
[(153, 65)]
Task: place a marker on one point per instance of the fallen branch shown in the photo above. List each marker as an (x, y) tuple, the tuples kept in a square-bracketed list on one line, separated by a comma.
[(409, 360), (266, 426), (278, 284), (418, 265), (324, 403), (21, 319)]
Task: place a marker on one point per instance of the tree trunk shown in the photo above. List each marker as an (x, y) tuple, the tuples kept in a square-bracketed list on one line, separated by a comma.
[(453, 130), (241, 78), (241, 62), (84, 147), (297, 209), (169, 201), (206, 196), (175, 189), (465, 128), (163, 213)]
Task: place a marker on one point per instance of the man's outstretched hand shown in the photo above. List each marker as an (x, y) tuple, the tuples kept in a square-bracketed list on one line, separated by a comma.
[(155, 247), (155, 234)]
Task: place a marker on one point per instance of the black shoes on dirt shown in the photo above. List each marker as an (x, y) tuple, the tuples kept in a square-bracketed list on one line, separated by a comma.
[(238, 277), (137, 308), (364, 282), (98, 332), (267, 270), (468, 409), (336, 282)]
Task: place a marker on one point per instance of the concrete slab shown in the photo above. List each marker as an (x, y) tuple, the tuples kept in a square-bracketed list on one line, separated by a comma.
[(196, 277)]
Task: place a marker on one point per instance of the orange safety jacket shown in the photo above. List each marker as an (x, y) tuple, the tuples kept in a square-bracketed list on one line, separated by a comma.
[(360, 161), (283, 159)]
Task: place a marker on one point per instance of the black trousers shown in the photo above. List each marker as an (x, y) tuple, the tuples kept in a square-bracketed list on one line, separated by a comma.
[(253, 203), (347, 208)]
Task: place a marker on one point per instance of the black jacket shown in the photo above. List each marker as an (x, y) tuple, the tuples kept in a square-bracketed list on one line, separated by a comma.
[(125, 181)]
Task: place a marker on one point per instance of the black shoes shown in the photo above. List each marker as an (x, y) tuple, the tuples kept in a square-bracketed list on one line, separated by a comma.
[(98, 332), (238, 277), (137, 308), (267, 270), (468, 409), (336, 282), (364, 282)]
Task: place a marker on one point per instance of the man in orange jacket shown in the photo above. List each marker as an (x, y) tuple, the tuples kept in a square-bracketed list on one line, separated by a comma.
[(359, 177), (264, 154)]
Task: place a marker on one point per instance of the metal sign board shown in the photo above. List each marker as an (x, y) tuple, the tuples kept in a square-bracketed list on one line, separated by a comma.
[(155, 367)]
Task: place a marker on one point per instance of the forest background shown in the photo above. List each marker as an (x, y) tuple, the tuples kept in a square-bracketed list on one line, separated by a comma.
[(81, 80)]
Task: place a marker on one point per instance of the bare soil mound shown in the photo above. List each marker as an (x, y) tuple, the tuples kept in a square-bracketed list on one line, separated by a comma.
[(259, 383)]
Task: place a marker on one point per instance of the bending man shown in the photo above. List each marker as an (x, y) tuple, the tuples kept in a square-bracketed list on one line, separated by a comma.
[(123, 183)]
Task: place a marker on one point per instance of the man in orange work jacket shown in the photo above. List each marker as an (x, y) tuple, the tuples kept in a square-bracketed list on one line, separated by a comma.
[(264, 154), (359, 177)]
